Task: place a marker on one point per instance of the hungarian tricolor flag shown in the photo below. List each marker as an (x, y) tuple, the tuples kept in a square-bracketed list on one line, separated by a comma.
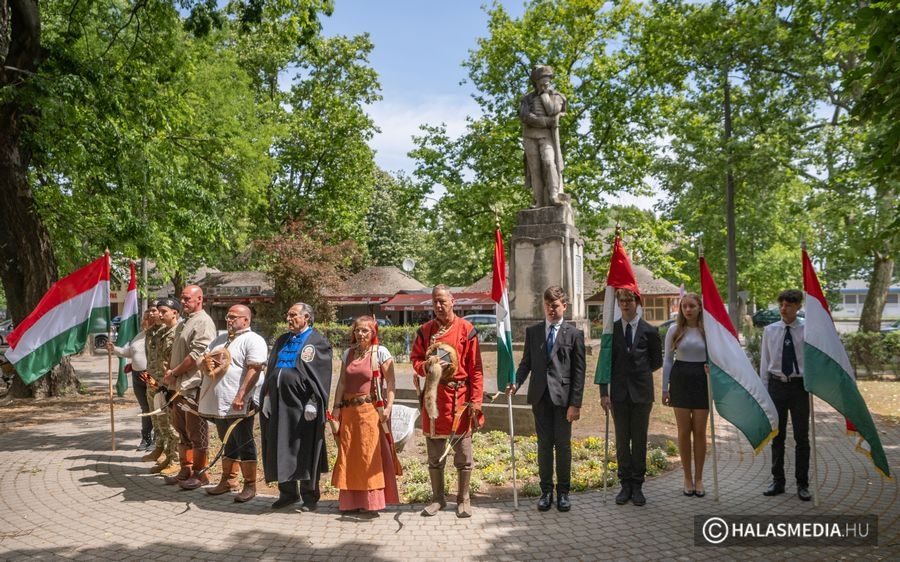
[(506, 371), (128, 328), (737, 390), (620, 276), (827, 371), (75, 307)]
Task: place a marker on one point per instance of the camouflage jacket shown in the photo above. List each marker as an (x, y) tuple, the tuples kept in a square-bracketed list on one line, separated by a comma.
[(159, 349)]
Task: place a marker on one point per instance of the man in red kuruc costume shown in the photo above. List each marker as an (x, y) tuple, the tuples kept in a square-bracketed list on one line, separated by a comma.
[(454, 401)]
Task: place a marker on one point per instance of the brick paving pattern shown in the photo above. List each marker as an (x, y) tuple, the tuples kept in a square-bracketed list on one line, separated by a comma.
[(66, 496)]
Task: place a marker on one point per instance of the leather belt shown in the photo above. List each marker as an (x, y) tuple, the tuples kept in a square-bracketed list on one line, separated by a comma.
[(785, 378), (454, 384), (358, 401)]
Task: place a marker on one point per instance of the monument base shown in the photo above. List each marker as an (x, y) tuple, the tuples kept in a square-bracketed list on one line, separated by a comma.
[(546, 249)]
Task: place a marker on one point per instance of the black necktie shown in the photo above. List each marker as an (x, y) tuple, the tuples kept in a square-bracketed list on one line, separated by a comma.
[(788, 354), (628, 335), (551, 338)]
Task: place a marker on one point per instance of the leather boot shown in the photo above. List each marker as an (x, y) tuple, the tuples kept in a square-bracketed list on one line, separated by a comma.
[(153, 455), (463, 506), (229, 481), (438, 502), (186, 459), (248, 470), (200, 477)]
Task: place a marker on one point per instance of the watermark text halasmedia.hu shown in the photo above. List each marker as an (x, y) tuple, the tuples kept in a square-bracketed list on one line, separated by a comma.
[(783, 530)]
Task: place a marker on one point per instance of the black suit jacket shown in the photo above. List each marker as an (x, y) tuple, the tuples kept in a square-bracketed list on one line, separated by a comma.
[(632, 370), (562, 374)]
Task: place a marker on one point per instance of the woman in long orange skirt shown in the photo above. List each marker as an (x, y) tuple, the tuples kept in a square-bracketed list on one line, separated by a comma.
[(364, 471)]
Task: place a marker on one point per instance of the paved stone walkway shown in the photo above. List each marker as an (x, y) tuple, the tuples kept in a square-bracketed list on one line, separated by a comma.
[(65, 495)]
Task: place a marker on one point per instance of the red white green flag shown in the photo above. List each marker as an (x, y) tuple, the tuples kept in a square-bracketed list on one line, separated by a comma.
[(828, 373), (506, 370), (128, 329), (737, 390), (75, 307), (620, 276)]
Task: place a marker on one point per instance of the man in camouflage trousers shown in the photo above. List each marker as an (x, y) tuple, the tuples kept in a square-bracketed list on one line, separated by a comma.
[(159, 349)]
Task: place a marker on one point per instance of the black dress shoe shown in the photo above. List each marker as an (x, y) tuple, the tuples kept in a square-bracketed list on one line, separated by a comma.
[(803, 494), (284, 501), (774, 489), (637, 496), (624, 494), (562, 502), (306, 507), (545, 502)]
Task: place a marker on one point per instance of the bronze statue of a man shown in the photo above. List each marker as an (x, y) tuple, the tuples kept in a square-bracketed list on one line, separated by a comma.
[(539, 111)]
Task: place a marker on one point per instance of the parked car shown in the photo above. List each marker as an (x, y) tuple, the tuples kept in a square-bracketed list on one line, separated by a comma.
[(485, 325), (768, 316), (892, 327), (382, 322), (6, 329), (481, 319)]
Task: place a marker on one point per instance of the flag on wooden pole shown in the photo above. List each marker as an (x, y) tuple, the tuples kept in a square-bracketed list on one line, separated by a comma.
[(737, 390), (506, 370), (128, 329), (620, 276), (828, 373), (75, 307)]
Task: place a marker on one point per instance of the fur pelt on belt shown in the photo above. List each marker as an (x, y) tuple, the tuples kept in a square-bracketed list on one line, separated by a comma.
[(216, 362), (435, 372)]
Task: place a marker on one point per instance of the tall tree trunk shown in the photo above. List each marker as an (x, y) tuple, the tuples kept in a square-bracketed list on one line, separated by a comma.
[(879, 283), (731, 227), (27, 263)]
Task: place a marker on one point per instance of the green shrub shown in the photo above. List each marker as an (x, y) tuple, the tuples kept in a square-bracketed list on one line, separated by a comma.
[(874, 351)]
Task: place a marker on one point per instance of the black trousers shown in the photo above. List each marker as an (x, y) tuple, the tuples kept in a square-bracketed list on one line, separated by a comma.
[(791, 397), (139, 388), (632, 421), (554, 434), (308, 490), (240, 445)]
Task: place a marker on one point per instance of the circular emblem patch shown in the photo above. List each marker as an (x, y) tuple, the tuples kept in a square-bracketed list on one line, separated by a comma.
[(307, 354)]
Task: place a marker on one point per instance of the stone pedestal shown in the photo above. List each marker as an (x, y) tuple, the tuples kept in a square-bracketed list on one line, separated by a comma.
[(546, 250)]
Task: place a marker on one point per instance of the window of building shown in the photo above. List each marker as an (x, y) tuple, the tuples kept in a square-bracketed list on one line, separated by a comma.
[(656, 309)]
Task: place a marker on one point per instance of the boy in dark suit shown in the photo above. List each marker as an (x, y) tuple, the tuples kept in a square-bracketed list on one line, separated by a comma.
[(554, 355), (637, 352)]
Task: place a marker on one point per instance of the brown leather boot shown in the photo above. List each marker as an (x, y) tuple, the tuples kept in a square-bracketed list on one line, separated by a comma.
[(186, 459), (248, 470), (438, 502), (229, 481), (153, 455), (200, 476), (463, 506)]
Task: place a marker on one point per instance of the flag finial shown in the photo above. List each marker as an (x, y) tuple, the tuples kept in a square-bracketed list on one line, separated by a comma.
[(700, 248)]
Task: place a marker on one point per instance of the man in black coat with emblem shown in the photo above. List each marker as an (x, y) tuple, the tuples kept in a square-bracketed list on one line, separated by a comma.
[(636, 353), (293, 402), (554, 355)]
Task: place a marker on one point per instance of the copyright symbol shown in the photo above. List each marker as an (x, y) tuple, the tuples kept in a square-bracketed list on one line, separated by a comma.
[(715, 530)]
